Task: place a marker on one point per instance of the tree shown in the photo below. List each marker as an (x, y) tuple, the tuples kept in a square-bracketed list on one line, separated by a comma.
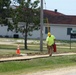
[(27, 12), (4, 11)]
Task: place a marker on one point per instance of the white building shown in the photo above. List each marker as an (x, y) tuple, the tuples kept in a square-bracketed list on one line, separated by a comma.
[(60, 25)]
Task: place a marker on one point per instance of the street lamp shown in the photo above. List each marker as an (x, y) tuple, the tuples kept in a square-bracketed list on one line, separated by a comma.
[(41, 27)]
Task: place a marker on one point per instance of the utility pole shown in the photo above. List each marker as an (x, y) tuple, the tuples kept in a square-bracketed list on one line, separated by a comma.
[(41, 27)]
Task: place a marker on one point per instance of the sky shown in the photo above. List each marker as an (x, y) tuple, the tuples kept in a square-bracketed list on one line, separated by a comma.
[(67, 7)]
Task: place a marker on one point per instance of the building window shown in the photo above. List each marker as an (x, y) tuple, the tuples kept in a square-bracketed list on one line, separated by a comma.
[(69, 31), (47, 29)]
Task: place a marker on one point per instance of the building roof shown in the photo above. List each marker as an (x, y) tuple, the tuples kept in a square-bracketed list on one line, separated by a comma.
[(55, 17)]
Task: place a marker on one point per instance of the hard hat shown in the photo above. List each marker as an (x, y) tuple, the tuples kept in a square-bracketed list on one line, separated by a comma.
[(49, 34)]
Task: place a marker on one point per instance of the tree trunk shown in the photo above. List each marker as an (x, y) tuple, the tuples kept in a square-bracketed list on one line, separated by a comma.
[(25, 38)]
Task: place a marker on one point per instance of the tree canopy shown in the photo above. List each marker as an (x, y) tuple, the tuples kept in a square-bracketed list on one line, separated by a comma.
[(29, 13), (4, 11)]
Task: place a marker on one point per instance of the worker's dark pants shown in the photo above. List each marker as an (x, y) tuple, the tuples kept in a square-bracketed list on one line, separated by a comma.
[(50, 50)]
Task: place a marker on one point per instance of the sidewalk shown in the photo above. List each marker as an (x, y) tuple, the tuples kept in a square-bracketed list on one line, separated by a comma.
[(25, 57)]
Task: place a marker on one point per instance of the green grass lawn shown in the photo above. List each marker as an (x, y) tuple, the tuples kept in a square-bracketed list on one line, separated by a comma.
[(9, 50), (34, 65), (17, 67)]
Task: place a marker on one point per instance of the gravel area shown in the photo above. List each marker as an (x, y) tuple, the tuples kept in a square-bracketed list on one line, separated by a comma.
[(60, 71)]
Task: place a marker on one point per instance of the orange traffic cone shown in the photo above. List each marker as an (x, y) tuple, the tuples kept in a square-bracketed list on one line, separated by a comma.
[(18, 50)]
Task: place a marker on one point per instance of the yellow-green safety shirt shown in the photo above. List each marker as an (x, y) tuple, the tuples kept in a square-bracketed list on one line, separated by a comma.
[(50, 40)]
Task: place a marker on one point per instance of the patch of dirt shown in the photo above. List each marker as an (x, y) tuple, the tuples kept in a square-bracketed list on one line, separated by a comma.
[(8, 56)]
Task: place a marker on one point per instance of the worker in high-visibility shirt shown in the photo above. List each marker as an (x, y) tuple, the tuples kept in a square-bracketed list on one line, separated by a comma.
[(50, 42)]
